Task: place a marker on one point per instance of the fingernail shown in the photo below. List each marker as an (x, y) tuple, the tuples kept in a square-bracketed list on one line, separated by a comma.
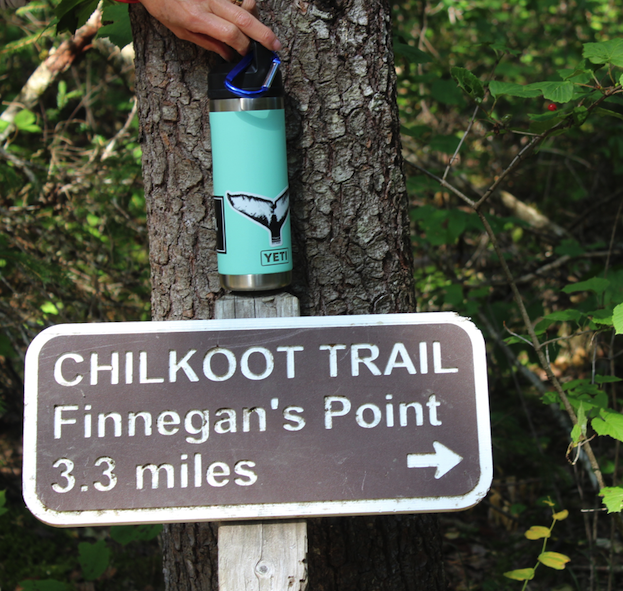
[(277, 45)]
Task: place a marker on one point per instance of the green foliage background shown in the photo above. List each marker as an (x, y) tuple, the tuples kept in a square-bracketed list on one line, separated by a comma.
[(73, 248), (512, 117)]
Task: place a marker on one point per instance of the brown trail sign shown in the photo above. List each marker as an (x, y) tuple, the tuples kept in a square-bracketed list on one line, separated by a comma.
[(257, 418)]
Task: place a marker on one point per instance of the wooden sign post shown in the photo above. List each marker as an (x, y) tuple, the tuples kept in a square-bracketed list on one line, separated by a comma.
[(258, 414), (264, 555)]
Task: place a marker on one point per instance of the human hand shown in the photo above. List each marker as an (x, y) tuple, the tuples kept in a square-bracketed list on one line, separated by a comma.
[(216, 25)]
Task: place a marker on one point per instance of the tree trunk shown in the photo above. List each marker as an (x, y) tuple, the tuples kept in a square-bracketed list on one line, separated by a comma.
[(352, 251)]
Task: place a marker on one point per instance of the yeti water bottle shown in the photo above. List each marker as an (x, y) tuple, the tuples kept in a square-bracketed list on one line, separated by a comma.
[(251, 198)]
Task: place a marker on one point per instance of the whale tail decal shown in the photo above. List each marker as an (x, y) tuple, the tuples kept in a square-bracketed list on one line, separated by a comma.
[(267, 213)]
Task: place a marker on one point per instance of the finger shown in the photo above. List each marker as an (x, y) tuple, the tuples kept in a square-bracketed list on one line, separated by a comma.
[(206, 42), (242, 17), (224, 32)]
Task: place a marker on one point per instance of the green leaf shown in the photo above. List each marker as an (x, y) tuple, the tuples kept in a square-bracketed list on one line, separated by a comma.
[(93, 559), (599, 379), (514, 340), (580, 75), (596, 284), (558, 91), (571, 248), (613, 498), (617, 319), (550, 398), (569, 315), (553, 560), (49, 308), (468, 82), (501, 48), (576, 433), (605, 52), (561, 515), (564, 315), (579, 430), (608, 113), (522, 574), (609, 423), (538, 532), (25, 121), (512, 89), (542, 122), (601, 317), (582, 385), (580, 115), (414, 55), (117, 26), (446, 92), (61, 94), (584, 392), (72, 14), (66, 9)]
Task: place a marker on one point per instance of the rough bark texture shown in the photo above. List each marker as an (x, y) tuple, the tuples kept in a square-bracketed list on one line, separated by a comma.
[(173, 113), (397, 553), (190, 559), (352, 252)]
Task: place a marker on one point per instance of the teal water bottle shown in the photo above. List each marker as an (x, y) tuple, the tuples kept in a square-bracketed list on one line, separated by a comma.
[(251, 197)]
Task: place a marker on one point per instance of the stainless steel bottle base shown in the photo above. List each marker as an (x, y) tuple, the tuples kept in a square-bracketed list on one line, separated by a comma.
[(256, 282)]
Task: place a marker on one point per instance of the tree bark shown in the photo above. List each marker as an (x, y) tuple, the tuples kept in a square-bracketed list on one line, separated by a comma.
[(350, 226), (352, 251)]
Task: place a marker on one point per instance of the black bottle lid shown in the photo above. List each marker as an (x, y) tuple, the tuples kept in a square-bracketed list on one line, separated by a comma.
[(261, 77)]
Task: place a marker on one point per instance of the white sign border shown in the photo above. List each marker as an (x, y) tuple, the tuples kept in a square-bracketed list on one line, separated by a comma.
[(255, 510)]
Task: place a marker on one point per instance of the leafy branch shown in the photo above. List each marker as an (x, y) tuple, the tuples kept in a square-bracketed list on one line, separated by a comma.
[(582, 100), (553, 560)]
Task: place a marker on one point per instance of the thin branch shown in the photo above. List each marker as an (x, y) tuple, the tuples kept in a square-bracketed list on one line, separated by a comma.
[(614, 231), (538, 346), (43, 77), (473, 117), (458, 148), (534, 143), (446, 185), (541, 271), (20, 164), (543, 361), (530, 215), (517, 336), (523, 154), (568, 156), (575, 334), (110, 148)]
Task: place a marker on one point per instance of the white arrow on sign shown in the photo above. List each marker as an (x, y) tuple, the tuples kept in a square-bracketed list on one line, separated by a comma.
[(443, 459)]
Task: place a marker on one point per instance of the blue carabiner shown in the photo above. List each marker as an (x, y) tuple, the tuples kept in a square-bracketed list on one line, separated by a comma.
[(242, 65)]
